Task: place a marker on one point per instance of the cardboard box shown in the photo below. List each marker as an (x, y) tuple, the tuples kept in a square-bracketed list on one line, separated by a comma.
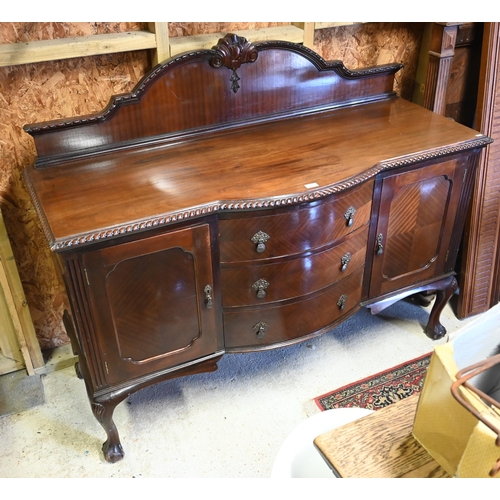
[(452, 434)]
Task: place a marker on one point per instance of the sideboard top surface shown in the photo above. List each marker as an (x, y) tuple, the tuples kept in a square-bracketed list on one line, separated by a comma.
[(250, 164), (262, 166)]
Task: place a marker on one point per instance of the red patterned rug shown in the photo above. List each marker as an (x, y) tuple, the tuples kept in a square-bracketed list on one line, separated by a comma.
[(381, 389)]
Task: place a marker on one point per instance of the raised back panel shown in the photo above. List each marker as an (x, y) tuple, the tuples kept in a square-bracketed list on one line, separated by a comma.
[(234, 83)]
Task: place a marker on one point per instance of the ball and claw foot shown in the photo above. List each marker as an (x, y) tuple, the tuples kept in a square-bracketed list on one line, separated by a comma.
[(444, 290), (112, 454), (435, 333), (103, 411)]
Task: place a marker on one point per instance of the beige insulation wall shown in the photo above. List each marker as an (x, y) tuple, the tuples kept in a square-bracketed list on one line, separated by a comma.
[(60, 89)]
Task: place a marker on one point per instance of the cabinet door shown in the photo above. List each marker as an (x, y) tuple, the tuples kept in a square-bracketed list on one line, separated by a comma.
[(150, 303), (415, 224)]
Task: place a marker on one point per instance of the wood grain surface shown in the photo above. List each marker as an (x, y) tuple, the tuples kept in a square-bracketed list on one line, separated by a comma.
[(266, 164), (134, 196), (379, 445), (83, 85)]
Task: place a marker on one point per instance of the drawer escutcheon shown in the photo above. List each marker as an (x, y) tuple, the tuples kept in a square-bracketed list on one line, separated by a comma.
[(341, 302), (260, 287), (260, 328), (260, 238), (349, 216), (380, 246), (346, 258), (208, 297)]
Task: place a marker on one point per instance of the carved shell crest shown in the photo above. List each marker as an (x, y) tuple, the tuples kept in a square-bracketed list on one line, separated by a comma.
[(232, 51)]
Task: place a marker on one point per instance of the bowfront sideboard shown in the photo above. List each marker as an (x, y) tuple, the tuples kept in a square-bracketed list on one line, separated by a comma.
[(244, 198)]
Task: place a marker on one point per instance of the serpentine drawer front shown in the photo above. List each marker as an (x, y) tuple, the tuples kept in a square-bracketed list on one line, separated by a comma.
[(281, 322), (242, 198), (270, 281), (295, 231)]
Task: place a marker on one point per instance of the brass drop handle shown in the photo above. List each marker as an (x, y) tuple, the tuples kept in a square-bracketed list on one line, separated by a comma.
[(260, 238), (380, 247), (346, 258), (341, 302), (208, 297), (260, 328), (260, 287), (349, 216)]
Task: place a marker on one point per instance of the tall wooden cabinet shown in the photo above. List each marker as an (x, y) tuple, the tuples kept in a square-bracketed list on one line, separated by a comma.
[(458, 78), (244, 198), (480, 262)]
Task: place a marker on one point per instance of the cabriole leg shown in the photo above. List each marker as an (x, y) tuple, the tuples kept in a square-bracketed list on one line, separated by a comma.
[(112, 448), (447, 287)]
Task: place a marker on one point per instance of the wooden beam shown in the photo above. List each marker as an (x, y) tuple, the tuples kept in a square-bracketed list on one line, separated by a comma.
[(157, 38), (17, 306), (15, 322), (321, 26), (162, 51), (308, 35), (181, 44), (11, 357), (65, 48)]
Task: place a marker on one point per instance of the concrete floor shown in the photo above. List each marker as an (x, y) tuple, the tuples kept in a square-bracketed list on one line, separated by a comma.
[(226, 424)]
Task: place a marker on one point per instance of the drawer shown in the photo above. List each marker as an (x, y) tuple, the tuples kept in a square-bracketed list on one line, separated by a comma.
[(296, 230), (255, 284), (276, 323)]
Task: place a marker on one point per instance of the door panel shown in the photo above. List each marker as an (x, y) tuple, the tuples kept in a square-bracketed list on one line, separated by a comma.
[(148, 302), (415, 223), (415, 227), (140, 293)]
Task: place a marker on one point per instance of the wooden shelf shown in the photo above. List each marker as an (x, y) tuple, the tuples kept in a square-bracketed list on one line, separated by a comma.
[(187, 43), (12, 54), (157, 38), (320, 26)]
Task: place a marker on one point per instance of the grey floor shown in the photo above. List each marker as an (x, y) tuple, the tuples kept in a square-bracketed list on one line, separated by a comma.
[(226, 424)]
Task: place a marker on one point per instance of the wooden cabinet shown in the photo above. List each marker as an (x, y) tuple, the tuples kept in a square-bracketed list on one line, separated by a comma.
[(244, 198)]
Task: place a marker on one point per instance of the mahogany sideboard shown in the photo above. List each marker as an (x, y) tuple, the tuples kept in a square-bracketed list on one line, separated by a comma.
[(244, 198)]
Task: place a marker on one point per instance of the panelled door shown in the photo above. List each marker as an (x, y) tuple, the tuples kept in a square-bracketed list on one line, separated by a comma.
[(415, 223), (152, 302)]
